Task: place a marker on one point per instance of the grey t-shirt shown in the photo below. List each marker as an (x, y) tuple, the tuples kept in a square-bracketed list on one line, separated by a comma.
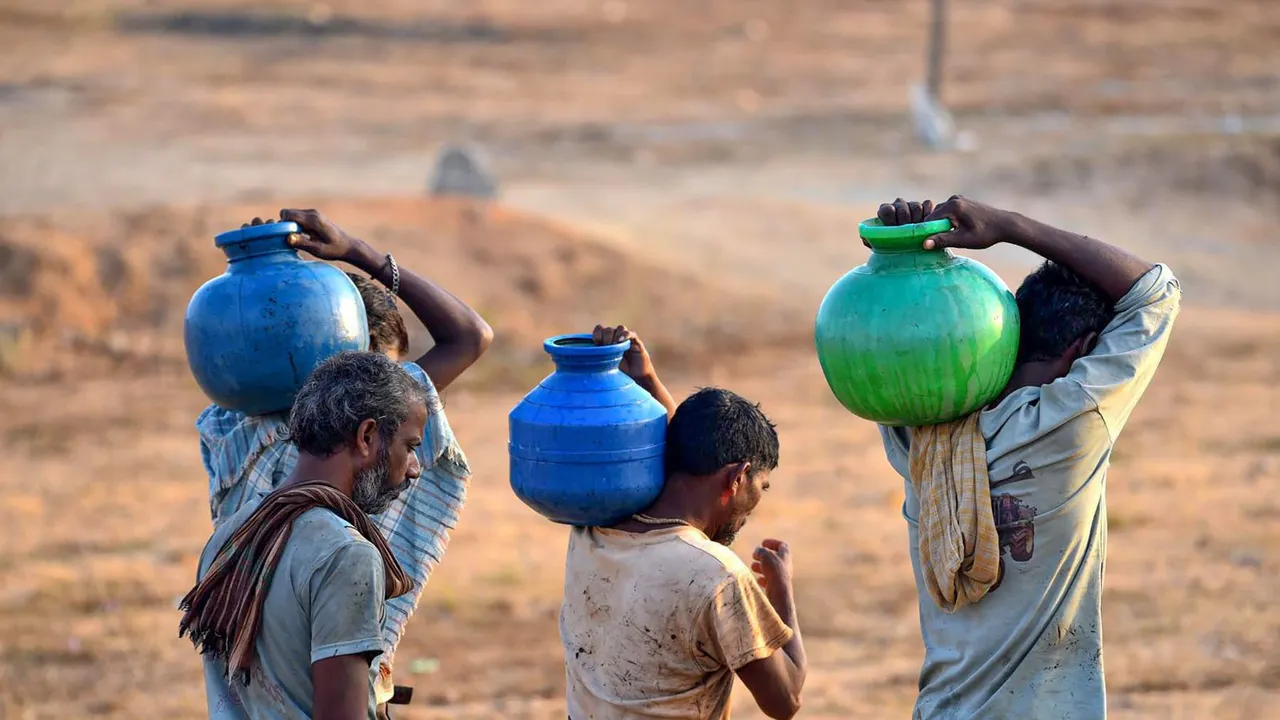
[(1032, 647), (326, 599)]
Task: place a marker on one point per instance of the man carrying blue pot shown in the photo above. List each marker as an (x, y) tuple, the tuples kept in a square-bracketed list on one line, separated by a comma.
[(659, 615), (290, 597), (247, 457), (1006, 508)]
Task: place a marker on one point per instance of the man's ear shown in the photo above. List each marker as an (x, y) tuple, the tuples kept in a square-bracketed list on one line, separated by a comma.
[(735, 476), (1083, 345), (366, 436), (1090, 343)]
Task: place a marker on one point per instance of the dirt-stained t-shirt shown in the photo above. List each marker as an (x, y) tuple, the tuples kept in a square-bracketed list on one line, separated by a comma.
[(655, 624), (1032, 647)]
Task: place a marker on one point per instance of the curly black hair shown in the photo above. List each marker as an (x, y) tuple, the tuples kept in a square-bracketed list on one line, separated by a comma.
[(1057, 307), (715, 427)]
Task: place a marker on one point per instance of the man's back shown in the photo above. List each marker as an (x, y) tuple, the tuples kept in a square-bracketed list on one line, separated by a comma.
[(1032, 646), (655, 624), (326, 599)]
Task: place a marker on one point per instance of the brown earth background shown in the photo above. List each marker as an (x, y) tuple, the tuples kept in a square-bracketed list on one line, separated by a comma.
[(695, 170)]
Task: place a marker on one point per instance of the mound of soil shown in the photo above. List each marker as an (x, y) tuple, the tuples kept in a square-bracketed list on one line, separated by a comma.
[(104, 293)]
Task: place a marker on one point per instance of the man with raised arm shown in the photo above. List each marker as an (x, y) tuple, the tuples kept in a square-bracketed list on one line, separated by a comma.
[(659, 615), (290, 600), (247, 457), (1011, 601)]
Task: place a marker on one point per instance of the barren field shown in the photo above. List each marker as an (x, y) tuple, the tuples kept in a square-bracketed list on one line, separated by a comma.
[(695, 173)]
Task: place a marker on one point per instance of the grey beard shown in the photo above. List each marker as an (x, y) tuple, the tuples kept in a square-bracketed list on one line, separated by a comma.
[(369, 492)]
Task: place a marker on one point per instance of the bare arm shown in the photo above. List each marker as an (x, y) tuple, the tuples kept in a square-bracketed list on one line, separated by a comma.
[(977, 226), (346, 591), (636, 364), (654, 387), (1113, 374), (460, 335), (1110, 268), (776, 681), (341, 688)]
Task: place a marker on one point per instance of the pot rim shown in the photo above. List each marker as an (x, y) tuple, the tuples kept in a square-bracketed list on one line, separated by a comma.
[(910, 236), (582, 346)]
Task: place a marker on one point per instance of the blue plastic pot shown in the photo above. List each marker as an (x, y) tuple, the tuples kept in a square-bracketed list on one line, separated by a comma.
[(254, 333), (586, 445)]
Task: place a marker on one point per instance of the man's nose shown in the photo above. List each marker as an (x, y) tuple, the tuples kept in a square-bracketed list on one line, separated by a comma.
[(415, 468)]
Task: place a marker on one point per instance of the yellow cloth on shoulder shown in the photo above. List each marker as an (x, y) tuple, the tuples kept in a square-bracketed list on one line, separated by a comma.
[(959, 546)]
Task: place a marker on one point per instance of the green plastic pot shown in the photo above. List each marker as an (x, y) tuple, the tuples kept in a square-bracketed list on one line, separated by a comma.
[(916, 337)]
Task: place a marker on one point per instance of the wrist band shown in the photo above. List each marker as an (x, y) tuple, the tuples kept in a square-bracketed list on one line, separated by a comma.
[(395, 275)]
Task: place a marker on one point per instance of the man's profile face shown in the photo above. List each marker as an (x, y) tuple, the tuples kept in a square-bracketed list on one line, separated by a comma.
[(743, 503), (396, 466)]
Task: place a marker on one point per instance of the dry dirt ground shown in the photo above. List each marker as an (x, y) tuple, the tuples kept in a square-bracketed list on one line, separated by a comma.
[(695, 174)]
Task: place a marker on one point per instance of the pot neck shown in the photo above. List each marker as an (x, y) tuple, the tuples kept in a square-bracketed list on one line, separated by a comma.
[(913, 260), (258, 252), (903, 245), (257, 245)]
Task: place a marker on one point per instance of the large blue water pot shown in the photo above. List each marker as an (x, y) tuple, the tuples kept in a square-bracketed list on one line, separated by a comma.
[(586, 444), (254, 333)]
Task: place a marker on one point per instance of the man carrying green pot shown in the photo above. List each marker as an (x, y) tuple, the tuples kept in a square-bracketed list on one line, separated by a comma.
[(1006, 509)]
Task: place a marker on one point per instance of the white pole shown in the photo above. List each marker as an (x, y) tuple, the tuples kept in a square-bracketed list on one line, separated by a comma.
[(932, 121), (937, 45)]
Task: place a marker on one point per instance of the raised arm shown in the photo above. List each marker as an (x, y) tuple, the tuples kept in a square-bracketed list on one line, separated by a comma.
[(977, 226), (1145, 298), (636, 364), (459, 334), (777, 680)]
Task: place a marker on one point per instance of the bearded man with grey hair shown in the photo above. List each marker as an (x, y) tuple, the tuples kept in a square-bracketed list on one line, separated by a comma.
[(248, 456), (291, 591)]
